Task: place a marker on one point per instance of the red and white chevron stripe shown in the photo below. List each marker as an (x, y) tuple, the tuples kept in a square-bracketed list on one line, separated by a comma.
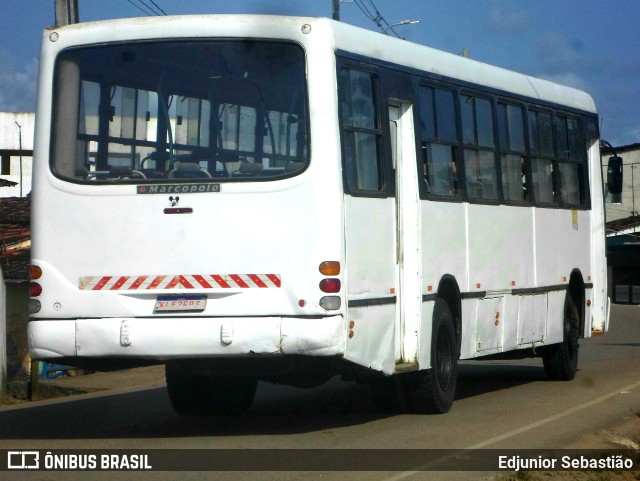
[(191, 281)]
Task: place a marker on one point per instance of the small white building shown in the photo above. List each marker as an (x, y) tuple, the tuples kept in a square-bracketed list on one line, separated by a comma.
[(629, 205), (16, 152), (623, 228)]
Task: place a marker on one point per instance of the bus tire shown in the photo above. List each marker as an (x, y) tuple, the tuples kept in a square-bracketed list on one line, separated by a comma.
[(210, 395), (434, 389), (561, 360)]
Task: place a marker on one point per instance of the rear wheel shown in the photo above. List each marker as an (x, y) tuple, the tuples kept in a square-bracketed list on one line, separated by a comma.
[(561, 360), (433, 390), (192, 395)]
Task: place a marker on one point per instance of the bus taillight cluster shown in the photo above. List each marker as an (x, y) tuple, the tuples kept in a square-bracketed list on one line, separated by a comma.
[(330, 285), (35, 289)]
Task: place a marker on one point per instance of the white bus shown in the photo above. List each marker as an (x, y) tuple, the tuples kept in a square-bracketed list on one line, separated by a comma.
[(285, 199)]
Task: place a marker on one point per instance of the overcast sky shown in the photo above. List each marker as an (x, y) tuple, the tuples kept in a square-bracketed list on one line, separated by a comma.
[(590, 44)]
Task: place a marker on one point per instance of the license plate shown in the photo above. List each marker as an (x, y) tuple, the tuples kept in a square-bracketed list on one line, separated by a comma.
[(180, 304)]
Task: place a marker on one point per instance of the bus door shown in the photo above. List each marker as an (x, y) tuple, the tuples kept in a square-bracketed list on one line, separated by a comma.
[(381, 241), (407, 203)]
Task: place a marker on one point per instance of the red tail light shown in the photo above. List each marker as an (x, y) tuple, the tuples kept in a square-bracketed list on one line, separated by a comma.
[(330, 285), (35, 289)]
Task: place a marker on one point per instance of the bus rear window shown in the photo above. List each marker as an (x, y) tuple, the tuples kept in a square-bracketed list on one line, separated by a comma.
[(173, 111)]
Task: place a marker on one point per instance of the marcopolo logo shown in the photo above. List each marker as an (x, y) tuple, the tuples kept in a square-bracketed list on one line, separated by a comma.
[(23, 460), (177, 188)]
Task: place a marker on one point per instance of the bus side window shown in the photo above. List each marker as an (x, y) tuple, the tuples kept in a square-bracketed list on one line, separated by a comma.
[(571, 160), (439, 140), (542, 157), (481, 176), (361, 131), (513, 157)]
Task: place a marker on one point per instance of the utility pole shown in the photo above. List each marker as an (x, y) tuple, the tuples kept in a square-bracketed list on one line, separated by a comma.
[(20, 147), (634, 214), (3, 335), (66, 12), (336, 9)]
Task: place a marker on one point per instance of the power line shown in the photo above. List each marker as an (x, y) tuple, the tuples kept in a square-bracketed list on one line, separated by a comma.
[(158, 7), (383, 20), (146, 12), (364, 10), (154, 8), (375, 16), (148, 9), (379, 17)]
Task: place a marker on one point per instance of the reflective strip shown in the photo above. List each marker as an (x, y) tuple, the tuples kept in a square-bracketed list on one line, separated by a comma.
[(220, 281), (238, 280), (191, 281), (274, 278)]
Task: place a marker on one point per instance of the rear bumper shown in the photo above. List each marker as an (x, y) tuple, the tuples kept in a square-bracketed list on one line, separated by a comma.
[(183, 337)]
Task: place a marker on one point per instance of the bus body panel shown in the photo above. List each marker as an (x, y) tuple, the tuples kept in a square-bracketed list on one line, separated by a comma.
[(198, 243), (500, 240), (562, 244), (370, 252), (443, 229), (185, 338)]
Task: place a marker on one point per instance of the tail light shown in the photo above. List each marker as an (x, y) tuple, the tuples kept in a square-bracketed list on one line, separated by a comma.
[(330, 286), (330, 268), (331, 303), (35, 273), (35, 289)]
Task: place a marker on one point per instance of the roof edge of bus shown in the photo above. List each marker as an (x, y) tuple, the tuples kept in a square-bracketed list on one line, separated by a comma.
[(246, 17), (461, 68), (349, 38)]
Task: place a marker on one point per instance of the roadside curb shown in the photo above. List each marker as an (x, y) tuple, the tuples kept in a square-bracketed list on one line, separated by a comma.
[(18, 390)]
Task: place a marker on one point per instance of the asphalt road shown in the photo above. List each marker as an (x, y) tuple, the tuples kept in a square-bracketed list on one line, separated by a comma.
[(499, 405)]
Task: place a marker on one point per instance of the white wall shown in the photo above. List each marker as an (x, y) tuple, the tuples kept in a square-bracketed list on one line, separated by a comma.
[(10, 140), (630, 186), (9, 131)]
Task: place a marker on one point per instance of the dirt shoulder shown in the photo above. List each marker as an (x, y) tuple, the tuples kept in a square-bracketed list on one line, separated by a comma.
[(74, 383), (625, 434)]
